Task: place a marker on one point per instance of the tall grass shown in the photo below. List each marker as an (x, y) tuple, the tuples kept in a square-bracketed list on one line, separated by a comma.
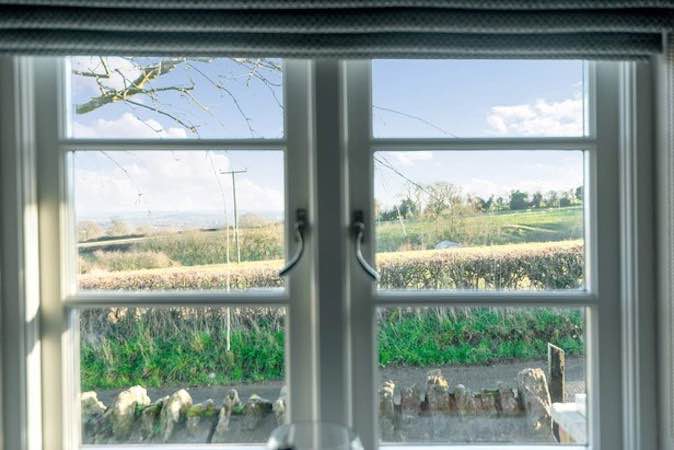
[(156, 347), (193, 248), (439, 336)]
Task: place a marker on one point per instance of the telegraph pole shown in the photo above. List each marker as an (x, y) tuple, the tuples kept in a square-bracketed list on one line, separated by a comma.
[(233, 173)]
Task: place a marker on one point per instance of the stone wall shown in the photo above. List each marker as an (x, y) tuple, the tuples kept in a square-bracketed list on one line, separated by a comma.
[(405, 412)]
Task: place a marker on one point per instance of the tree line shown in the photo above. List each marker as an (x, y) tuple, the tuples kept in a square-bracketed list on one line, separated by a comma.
[(445, 199)]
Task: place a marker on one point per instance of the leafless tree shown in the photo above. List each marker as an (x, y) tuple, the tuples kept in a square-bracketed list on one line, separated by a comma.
[(139, 77)]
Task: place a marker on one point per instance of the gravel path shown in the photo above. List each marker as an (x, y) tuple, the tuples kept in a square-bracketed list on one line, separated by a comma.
[(473, 377)]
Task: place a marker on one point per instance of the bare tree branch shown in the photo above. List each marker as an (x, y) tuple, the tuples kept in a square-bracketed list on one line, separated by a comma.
[(192, 128)]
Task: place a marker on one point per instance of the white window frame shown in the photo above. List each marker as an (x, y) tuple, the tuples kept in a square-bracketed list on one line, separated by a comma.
[(331, 354), (59, 294)]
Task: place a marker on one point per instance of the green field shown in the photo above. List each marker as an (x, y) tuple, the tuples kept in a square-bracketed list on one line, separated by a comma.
[(191, 248), (535, 225), (537, 249)]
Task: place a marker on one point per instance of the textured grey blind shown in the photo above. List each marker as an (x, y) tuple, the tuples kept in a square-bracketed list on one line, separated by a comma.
[(338, 28)]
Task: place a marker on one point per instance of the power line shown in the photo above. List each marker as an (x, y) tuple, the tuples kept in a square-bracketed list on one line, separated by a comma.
[(417, 118)]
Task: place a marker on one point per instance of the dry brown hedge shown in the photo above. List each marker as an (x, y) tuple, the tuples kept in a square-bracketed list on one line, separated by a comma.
[(547, 265)]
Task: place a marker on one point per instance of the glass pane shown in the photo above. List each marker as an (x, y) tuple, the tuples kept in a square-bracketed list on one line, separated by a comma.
[(488, 220), (477, 98), (181, 375), (482, 375), (175, 97), (182, 220)]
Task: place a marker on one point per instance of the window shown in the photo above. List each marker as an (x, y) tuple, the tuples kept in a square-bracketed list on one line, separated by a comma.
[(173, 181), (484, 187), (480, 196)]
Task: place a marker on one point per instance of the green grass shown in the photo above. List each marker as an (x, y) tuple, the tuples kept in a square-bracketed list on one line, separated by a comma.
[(476, 336), (536, 225), (158, 347), (189, 348)]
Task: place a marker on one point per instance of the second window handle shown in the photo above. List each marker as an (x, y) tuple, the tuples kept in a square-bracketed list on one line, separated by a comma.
[(358, 230)]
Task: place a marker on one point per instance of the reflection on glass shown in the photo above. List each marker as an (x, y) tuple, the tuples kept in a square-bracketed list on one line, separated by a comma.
[(182, 220), (477, 98), (181, 375), (487, 220), (482, 375), (175, 97)]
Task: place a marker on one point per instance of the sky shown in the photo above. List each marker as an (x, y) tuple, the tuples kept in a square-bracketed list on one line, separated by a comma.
[(415, 98)]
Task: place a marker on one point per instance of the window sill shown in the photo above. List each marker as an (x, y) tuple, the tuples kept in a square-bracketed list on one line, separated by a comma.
[(482, 447)]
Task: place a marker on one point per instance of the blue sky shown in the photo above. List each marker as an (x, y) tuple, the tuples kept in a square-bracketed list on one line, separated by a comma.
[(412, 98)]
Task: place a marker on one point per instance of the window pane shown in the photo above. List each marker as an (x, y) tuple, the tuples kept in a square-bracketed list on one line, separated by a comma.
[(477, 98), (488, 220), (481, 375), (181, 375), (175, 97), (156, 220)]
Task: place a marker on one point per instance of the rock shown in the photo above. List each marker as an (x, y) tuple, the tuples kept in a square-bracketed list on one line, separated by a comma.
[(230, 405), (254, 411), (464, 401), (122, 413), (386, 391), (173, 411), (411, 400), (196, 413), (92, 411), (446, 244), (387, 410), (488, 401), (232, 401), (535, 397), (222, 427), (437, 391), (90, 404), (280, 406), (507, 401), (149, 419), (386, 429)]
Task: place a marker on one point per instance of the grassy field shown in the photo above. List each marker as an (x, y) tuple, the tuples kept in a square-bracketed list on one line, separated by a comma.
[(536, 225), (191, 248), (538, 249)]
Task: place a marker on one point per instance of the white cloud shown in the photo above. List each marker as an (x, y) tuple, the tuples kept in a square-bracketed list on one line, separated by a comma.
[(409, 158), (541, 118), (120, 71), (125, 126), (181, 181)]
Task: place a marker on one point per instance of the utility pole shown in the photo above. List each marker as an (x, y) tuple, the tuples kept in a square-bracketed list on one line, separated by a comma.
[(233, 173)]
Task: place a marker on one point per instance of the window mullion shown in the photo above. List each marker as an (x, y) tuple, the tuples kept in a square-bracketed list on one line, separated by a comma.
[(300, 347), (361, 300), (329, 233)]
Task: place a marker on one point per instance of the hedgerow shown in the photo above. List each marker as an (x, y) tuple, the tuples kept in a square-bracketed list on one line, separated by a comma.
[(549, 265)]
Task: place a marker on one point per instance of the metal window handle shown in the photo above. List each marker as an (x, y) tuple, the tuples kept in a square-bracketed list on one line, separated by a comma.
[(358, 230), (300, 228)]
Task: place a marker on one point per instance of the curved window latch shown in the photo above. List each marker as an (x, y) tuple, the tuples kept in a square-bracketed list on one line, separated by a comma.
[(358, 230), (300, 228)]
